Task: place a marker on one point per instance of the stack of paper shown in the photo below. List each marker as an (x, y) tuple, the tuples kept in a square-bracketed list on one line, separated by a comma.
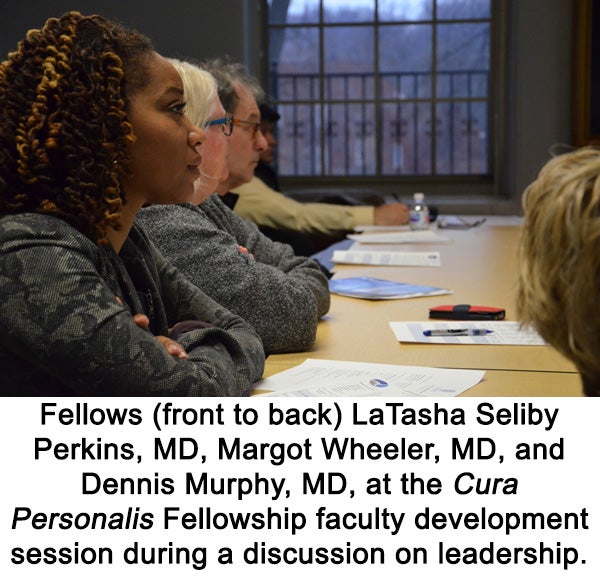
[(378, 228), (408, 237), (383, 258)]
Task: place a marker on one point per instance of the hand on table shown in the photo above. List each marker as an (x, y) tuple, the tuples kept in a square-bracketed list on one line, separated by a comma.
[(391, 214)]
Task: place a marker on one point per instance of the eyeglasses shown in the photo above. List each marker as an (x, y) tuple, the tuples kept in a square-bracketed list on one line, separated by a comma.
[(253, 125), (226, 124)]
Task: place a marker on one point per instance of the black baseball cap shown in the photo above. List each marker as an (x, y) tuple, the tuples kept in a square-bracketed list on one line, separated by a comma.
[(268, 113)]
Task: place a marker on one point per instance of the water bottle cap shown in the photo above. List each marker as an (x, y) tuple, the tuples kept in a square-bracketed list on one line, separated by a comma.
[(419, 196)]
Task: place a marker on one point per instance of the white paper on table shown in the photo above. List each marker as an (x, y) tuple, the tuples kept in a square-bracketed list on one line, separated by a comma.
[(378, 228), (380, 258), (408, 237), (339, 378), (502, 333), (502, 220)]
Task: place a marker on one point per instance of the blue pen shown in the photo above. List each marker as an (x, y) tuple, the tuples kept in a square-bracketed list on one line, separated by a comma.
[(458, 332)]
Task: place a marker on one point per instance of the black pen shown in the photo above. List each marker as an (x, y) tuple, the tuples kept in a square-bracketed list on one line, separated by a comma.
[(458, 332)]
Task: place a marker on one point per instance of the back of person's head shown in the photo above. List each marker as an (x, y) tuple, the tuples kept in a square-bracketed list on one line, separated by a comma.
[(559, 282), (64, 129), (228, 74), (200, 90)]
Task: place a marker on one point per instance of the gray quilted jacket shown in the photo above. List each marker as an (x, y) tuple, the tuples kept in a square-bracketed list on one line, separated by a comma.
[(63, 330)]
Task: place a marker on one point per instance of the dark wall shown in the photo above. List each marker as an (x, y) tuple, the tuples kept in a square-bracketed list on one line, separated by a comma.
[(541, 89), (178, 28)]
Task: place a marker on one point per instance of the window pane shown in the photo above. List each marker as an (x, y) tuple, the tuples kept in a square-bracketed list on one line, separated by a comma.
[(350, 139), (353, 67), (406, 138), (348, 11), (294, 71), (459, 9), (461, 145), (298, 140), (409, 10), (349, 86), (405, 85), (462, 84), (405, 61), (463, 47), (298, 12)]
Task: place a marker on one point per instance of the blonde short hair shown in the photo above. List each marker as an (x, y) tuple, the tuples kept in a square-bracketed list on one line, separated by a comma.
[(559, 280), (199, 90)]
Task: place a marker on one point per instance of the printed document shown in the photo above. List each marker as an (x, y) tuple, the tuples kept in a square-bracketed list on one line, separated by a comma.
[(338, 378), (378, 228), (410, 237), (501, 333), (381, 258)]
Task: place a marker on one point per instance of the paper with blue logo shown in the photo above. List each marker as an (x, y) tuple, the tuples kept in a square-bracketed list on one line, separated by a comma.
[(339, 378)]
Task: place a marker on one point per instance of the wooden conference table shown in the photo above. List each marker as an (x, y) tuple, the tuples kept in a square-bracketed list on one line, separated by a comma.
[(480, 266)]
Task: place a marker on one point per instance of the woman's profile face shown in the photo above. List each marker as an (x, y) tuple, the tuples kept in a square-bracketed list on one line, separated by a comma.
[(214, 156), (166, 155)]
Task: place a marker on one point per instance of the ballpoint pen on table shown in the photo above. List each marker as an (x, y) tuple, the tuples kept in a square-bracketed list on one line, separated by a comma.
[(458, 332)]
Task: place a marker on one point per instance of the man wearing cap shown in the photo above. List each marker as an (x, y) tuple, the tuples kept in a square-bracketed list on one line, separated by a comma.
[(264, 170), (261, 202)]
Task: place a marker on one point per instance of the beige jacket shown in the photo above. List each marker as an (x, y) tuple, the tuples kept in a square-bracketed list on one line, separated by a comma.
[(267, 207)]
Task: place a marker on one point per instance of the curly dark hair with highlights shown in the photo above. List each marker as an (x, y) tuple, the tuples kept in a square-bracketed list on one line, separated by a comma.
[(64, 128)]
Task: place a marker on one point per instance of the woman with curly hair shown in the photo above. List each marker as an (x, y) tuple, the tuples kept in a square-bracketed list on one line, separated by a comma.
[(559, 280), (91, 129)]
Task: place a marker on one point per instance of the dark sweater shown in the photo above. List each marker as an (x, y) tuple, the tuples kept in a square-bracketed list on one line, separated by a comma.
[(280, 294), (63, 330)]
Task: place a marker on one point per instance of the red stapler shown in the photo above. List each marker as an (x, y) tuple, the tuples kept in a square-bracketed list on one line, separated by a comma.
[(467, 312)]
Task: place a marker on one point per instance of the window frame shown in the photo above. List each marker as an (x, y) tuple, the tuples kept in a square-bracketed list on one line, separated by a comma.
[(489, 185)]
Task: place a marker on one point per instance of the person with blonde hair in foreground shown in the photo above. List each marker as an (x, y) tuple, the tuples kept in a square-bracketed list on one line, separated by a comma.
[(559, 280), (281, 295)]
